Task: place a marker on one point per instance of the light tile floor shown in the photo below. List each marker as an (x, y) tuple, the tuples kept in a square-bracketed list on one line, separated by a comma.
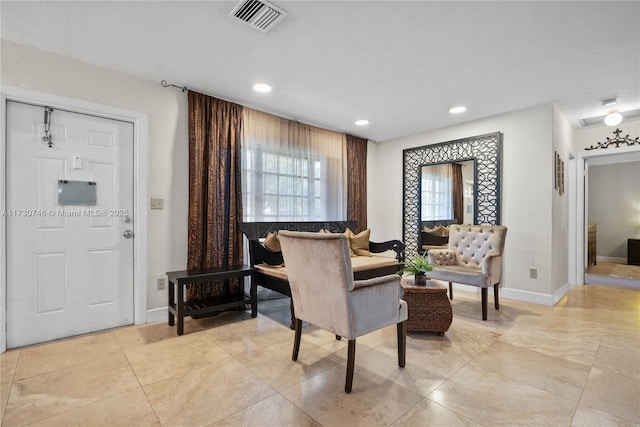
[(577, 363)]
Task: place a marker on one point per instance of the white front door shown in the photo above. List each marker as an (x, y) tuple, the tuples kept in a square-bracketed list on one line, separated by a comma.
[(69, 266)]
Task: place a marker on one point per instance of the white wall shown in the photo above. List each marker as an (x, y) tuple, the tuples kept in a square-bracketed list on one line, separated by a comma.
[(614, 205), (563, 145), (41, 71), (527, 195)]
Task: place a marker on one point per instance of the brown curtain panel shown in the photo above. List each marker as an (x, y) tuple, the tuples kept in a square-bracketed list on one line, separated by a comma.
[(458, 193), (215, 192), (357, 181)]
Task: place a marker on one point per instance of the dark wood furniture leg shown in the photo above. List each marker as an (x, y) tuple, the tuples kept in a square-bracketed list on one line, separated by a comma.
[(180, 308), (296, 339), (293, 313), (402, 343), (484, 303), (495, 296), (172, 301), (351, 359), (254, 295), (450, 290)]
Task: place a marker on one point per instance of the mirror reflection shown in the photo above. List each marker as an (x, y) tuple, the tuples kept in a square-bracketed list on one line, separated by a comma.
[(446, 197), (446, 193)]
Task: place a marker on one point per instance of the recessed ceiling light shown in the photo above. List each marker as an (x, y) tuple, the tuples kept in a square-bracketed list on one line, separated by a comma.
[(362, 122), (609, 102), (457, 110), (262, 87)]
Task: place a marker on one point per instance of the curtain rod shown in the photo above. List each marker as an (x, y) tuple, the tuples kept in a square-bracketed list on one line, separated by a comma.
[(165, 84)]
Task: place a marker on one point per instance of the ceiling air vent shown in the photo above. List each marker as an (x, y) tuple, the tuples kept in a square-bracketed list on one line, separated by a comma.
[(260, 15)]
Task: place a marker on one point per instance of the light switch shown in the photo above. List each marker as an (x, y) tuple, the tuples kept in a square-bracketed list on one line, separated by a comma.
[(76, 162), (157, 203)]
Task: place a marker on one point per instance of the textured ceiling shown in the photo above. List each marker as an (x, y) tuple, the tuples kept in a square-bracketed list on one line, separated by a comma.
[(401, 65)]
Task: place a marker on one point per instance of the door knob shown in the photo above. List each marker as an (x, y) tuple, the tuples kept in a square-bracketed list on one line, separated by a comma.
[(128, 234)]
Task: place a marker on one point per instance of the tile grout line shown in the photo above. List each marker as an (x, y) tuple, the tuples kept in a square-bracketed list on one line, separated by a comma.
[(124, 353)]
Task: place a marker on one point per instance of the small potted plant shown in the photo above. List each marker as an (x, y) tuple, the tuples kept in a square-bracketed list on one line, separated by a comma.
[(418, 266)]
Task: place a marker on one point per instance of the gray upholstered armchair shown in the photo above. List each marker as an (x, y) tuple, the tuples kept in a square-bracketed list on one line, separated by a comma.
[(473, 257), (325, 294)]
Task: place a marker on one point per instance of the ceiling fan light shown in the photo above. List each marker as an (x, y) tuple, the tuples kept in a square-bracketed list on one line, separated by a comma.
[(613, 119)]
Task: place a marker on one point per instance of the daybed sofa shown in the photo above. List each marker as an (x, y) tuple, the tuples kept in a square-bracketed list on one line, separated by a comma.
[(434, 235), (272, 273)]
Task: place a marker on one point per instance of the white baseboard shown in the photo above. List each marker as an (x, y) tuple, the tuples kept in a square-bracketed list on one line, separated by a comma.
[(521, 295), (536, 297), (464, 288), (611, 259), (157, 315)]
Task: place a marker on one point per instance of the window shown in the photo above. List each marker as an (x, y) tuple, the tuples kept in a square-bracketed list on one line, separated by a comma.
[(282, 187), (436, 189), (291, 172)]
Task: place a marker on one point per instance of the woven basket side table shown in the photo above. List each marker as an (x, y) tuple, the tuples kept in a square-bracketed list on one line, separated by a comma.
[(429, 306)]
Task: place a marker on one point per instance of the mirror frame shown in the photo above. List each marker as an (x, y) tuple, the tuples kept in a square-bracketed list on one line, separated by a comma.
[(485, 150)]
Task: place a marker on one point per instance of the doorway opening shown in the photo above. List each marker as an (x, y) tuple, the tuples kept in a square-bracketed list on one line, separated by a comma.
[(610, 212)]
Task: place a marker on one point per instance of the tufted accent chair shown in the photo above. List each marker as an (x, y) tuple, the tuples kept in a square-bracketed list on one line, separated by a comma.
[(473, 257), (325, 294)]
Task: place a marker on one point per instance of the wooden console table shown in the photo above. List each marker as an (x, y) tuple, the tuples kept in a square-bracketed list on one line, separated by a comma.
[(179, 308)]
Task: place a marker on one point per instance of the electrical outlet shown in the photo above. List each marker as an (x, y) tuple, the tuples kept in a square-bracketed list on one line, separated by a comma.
[(161, 283), (533, 273)]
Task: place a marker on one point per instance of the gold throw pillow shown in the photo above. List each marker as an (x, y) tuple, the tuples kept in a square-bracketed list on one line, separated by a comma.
[(272, 242), (359, 243)]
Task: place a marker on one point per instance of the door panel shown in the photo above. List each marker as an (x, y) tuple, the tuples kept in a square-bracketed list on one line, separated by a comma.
[(50, 282), (69, 268), (101, 276)]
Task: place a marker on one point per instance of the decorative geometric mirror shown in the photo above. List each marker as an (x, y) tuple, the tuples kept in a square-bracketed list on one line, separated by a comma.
[(485, 150)]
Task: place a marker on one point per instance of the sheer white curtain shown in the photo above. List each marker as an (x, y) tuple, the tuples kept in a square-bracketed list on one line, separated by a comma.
[(291, 171), (436, 190)]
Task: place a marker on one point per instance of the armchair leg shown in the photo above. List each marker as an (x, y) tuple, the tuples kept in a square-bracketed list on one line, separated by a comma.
[(351, 359), (296, 341), (495, 296), (484, 303), (402, 343), (293, 314), (450, 290)]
